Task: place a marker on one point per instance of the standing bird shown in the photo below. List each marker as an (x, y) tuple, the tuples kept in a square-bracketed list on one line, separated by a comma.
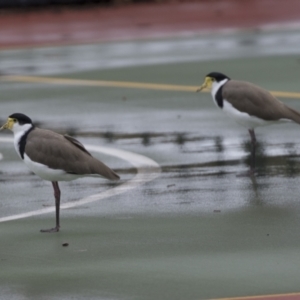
[(53, 156), (249, 105)]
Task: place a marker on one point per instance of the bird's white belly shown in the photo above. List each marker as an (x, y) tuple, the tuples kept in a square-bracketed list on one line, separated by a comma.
[(46, 173), (244, 119)]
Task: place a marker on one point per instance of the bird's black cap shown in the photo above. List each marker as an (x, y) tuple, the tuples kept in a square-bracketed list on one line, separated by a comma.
[(22, 119), (217, 76)]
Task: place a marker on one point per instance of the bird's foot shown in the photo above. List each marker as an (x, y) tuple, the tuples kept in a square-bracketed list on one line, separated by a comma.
[(55, 229)]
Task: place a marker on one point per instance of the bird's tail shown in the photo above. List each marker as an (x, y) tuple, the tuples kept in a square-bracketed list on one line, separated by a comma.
[(97, 167), (293, 114)]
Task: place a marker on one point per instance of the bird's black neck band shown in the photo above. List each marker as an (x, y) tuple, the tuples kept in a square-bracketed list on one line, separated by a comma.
[(219, 97), (22, 142)]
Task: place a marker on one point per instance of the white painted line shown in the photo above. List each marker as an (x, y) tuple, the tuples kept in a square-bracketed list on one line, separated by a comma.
[(147, 170)]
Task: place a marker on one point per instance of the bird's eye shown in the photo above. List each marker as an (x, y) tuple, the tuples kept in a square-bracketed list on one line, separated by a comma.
[(15, 120)]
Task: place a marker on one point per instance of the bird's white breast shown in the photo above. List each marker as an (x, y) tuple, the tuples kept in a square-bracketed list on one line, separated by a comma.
[(46, 173), (244, 119)]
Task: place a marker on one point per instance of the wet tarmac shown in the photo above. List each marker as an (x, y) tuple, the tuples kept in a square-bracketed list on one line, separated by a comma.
[(198, 231)]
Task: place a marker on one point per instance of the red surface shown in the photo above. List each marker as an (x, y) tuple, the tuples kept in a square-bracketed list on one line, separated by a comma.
[(269, 297), (293, 296), (93, 24)]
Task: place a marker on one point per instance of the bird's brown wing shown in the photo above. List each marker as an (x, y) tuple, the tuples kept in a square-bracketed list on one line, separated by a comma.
[(76, 143), (255, 101), (65, 153)]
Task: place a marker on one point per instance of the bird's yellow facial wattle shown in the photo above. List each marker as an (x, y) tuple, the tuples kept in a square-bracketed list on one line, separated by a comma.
[(9, 124), (207, 84)]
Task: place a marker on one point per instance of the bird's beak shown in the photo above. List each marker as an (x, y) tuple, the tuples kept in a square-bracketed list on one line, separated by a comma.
[(8, 124), (207, 84)]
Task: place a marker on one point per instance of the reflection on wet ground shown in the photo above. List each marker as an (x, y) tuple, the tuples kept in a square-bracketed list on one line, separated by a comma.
[(278, 165), (266, 165), (69, 59)]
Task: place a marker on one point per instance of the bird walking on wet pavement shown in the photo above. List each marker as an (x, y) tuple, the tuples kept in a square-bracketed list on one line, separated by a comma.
[(249, 105)]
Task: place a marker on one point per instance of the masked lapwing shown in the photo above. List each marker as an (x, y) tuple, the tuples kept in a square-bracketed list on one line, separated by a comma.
[(249, 105), (53, 157)]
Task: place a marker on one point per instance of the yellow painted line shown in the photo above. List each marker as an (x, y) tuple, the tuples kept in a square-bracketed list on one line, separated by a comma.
[(285, 94), (122, 84), (104, 83), (261, 297)]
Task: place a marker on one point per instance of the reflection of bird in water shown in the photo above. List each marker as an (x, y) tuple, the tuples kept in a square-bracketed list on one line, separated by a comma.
[(248, 104), (255, 188), (54, 157)]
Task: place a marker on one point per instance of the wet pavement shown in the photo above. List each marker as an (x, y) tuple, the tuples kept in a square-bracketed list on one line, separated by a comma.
[(198, 231)]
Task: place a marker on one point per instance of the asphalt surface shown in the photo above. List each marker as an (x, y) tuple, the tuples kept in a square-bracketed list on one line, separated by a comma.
[(197, 231)]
